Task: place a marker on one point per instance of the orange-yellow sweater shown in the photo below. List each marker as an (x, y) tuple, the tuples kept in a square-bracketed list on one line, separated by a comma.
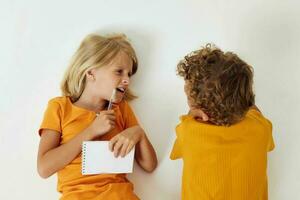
[(224, 163)]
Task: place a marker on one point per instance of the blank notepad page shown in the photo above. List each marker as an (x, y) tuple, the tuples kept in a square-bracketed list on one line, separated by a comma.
[(98, 159)]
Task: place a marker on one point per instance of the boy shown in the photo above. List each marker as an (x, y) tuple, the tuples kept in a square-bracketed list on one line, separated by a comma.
[(224, 151)]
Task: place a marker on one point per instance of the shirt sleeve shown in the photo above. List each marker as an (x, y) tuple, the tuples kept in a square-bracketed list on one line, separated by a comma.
[(270, 144), (176, 152), (258, 115), (129, 116), (52, 117)]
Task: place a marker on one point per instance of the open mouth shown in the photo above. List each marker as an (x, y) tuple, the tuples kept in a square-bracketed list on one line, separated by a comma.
[(122, 90)]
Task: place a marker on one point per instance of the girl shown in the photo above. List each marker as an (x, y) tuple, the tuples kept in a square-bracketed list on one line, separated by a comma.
[(99, 66)]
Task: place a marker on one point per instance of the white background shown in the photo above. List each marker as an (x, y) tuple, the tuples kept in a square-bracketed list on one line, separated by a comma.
[(39, 37)]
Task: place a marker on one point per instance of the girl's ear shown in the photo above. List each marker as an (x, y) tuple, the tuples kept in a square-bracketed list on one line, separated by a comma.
[(90, 75)]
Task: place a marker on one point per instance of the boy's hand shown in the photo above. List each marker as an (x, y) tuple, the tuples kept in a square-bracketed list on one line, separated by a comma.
[(198, 114), (124, 142), (103, 123)]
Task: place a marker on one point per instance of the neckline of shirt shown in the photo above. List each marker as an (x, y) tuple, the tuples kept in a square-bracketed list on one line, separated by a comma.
[(84, 109)]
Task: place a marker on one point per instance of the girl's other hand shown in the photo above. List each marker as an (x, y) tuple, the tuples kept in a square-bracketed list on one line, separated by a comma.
[(124, 142)]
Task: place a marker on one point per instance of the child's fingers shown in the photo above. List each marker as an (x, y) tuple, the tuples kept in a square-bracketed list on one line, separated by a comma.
[(107, 112), (129, 148), (112, 126), (112, 118), (106, 116), (117, 148), (124, 149), (112, 143), (111, 121)]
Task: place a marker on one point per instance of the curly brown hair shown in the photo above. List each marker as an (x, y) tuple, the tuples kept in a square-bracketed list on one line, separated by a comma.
[(220, 84)]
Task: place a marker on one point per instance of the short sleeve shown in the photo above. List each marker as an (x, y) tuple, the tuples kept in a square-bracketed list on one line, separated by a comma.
[(129, 116), (176, 152), (270, 144), (52, 117), (258, 115)]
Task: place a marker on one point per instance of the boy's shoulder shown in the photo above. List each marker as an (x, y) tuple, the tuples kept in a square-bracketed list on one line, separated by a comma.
[(189, 119), (253, 128), (188, 122), (253, 117), (258, 118)]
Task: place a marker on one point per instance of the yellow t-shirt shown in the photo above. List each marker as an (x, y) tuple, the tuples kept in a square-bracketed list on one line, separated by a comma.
[(69, 120), (224, 163)]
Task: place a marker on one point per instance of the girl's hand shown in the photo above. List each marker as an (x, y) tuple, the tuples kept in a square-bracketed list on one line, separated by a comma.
[(124, 142), (103, 123)]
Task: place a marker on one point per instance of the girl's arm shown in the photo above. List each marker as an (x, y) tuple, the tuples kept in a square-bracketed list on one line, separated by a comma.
[(52, 156), (145, 155)]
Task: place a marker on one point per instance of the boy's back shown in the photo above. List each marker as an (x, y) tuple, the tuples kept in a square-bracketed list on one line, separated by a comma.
[(224, 162)]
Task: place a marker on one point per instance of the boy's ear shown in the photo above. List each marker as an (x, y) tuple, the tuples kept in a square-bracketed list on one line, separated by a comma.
[(199, 114)]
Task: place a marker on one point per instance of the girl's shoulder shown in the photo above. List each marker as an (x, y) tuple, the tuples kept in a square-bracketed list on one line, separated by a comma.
[(59, 99), (59, 102)]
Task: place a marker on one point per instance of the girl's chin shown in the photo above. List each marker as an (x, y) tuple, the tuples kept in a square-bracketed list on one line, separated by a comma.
[(118, 100), (118, 97)]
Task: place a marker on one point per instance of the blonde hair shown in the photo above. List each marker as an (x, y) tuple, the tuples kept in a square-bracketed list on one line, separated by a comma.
[(94, 52)]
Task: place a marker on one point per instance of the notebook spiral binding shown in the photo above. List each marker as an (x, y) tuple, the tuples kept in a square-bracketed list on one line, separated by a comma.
[(83, 157)]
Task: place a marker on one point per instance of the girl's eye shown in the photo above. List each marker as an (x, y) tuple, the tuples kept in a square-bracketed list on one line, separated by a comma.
[(119, 72)]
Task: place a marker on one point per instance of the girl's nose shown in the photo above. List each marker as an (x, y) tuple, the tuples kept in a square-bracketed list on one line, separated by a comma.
[(125, 81)]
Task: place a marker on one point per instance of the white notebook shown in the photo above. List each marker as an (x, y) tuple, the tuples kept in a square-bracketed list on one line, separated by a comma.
[(98, 159)]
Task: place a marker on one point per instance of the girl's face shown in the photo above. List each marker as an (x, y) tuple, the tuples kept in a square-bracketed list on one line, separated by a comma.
[(115, 75)]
